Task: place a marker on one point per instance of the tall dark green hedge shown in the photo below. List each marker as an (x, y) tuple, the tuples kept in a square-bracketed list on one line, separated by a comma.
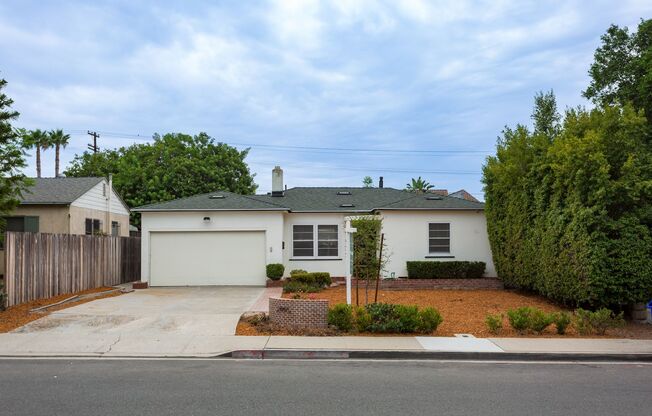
[(569, 205)]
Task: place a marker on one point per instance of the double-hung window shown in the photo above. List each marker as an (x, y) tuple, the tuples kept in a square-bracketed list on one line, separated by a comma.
[(439, 238), (315, 241), (93, 226)]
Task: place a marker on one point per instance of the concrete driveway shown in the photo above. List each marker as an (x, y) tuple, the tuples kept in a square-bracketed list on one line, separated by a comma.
[(159, 321)]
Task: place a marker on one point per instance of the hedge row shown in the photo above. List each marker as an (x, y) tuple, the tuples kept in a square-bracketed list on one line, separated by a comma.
[(445, 269), (568, 206)]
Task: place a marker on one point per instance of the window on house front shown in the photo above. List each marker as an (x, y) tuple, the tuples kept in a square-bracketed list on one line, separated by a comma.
[(303, 241), (439, 238), (308, 243), (327, 240), (115, 228), (93, 226)]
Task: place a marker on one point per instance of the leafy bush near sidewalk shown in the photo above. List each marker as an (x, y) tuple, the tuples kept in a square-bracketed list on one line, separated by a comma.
[(297, 271), (385, 318), (341, 317), (445, 269), (494, 323), (519, 319), (562, 321), (3, 297), (275, 271), (598, 322)]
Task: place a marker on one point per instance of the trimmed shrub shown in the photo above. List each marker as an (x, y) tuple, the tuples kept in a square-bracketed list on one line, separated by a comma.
[(322, 279), (306, 278), (597, 322), (561, 320), (494, 323), (429, 320), (297, 271), (445, 269), (408, 318), (341, 317), (519, 319), (300, 287), (275, 271), (539, 320)]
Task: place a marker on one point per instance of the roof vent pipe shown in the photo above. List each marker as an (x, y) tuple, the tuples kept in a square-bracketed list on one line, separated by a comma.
[(277, 181), (380, 182)]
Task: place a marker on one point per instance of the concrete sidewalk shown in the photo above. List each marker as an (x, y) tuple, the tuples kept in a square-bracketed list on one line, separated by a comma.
[(135, 345)]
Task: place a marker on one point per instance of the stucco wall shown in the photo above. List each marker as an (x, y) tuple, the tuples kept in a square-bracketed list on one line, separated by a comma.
[(78, 217), (406, 234), (336, 267), (52, 218), (268, 221)]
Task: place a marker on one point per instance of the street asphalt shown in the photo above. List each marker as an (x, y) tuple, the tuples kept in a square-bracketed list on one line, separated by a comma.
[(231, 387)]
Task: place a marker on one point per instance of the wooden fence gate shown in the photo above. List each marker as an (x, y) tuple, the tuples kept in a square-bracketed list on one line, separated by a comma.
[(41, 265)]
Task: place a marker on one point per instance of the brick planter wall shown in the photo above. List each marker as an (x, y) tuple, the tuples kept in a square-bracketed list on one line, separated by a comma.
[(411, 284), (298, 313)]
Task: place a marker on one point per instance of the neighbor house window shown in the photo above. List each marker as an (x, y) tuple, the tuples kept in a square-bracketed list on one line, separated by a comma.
[(115, 228), (439, 238), (308, 243), (93, 226)]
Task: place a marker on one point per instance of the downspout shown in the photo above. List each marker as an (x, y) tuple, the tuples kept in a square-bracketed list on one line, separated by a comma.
[(108, 204)]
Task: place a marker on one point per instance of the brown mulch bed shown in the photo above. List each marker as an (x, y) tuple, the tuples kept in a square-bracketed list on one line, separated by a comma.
[(19, 315), (464, 311)]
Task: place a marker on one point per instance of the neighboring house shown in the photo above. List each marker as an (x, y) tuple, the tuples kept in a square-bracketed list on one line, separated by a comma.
[(222, 238), (69, 206)]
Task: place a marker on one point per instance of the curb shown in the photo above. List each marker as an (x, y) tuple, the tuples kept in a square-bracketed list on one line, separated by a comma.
[(436, 355)]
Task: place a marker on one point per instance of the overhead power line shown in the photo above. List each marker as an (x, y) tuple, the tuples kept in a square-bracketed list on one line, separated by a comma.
[(317, 149)]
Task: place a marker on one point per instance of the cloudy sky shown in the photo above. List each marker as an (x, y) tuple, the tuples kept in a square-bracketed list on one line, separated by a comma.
[(424, 87)]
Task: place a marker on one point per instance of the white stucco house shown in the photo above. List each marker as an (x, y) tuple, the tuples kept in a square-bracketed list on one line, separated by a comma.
[(222, 238)]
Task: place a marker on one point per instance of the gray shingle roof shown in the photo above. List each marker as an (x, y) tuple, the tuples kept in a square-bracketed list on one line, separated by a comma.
[(340, 199), (219, 200), (57, 190)]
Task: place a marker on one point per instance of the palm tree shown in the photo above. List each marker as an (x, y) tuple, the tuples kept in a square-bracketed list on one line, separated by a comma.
[(418, 185), (58, 139), (39, 140)]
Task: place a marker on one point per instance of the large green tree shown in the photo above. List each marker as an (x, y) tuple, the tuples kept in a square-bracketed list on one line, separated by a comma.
[(12, 158), (172, 166), (621, 72)]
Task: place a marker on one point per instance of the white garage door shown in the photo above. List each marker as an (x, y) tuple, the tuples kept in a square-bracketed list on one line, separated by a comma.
[(207, 258)]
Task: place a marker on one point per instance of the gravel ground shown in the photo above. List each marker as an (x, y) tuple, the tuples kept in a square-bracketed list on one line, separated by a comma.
[(464, 311)]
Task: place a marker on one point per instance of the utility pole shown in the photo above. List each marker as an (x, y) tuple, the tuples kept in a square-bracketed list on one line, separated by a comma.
[(93, 146)]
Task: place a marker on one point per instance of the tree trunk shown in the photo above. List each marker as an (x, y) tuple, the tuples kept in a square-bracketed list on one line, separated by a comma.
[(380, 266), (38, 161), (56, 161)]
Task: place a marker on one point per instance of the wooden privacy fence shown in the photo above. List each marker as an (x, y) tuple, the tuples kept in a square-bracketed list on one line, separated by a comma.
[(44, 265)]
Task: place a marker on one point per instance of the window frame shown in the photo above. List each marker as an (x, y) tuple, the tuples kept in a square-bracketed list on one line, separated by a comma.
[(315, 242), (93, 223), (430, 239)]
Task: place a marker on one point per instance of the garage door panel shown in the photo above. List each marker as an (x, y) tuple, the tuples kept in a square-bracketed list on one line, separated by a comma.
[(207, 258)]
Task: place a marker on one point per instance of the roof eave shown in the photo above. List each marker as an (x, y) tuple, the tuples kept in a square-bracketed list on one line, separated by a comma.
[(204, 209), (430, 209)]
